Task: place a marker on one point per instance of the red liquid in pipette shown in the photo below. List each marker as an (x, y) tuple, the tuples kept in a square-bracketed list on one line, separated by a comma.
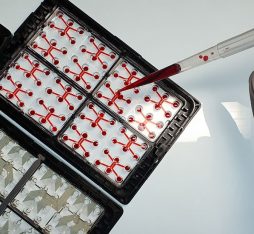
[(155, 76)]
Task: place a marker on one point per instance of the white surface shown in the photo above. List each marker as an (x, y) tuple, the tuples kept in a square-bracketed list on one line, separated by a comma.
[(204, 184)]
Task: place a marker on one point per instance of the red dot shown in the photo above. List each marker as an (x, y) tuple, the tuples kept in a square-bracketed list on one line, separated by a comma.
[(123, 130), (125, 149), (112, 56), (107, 85), (106, 151), (74, 127), (99, 95), (131, 119), (112, 122), (73, 41), (108, 170), (62, 34), (38, 83), (85, 68), (45, 54), (49, 91), (96, 76), (64, 51), (200, 56), (53, 43), (75, 60), (66, 70), (93, 124), (87, 154), (124, 65), (94, 58), (167, 114), (63, 118), (10, 96), (136, 157), (54, 129), (136, 91), (28, 75), (88, 86), (104, 66), (176, 104), (114, 141), (56, 61), (19, 86), (128, 101), (134, 73), (83, 50), (90, 106), (82, 116), (41, 102), (91, 40), (35, 45), (205, 58), (51, 110), (21, 104), (43, 121), (115, 75), (155, 88), (32, 112), (147, 98), (95, 143), (84, 135), (97, 162), (80, 97), (1, 87), (127, 168), (104, 133), (120, 111), (65, 138), (51, 25), (119, 179), (76, 146), (71, 107), (47, 72), (77, 78)]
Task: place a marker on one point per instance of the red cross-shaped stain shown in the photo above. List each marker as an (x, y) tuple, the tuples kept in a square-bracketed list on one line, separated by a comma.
[(99, 117), (131, 140), (127, 80), (147, 119), (83, 71), (14, 94), (112, 101), (67, 28), (67, 93), (110, 168), (162, 99), (51, 48), (100, 51), (31, 73), (47, 118), (79, 144)]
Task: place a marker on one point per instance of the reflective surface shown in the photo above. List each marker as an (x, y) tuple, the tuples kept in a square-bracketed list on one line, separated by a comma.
[(205, 183)]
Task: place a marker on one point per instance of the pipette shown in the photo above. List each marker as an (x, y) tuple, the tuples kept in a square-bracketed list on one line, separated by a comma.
[(224, 49)]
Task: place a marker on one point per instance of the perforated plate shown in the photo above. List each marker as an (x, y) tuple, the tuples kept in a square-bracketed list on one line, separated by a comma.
[(69, 91)]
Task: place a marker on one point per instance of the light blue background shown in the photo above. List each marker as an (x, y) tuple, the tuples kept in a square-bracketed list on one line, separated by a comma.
[(204, 185)]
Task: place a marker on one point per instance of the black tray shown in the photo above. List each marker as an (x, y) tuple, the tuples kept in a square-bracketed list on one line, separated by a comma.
[(157, 149)]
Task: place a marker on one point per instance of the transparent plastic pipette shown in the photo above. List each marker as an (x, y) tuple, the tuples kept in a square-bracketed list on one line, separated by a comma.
[(224, 49)]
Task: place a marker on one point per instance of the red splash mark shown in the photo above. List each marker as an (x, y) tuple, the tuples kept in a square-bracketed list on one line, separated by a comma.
[(14, 94), (99, 117), (110, 168), (47, 118), (131, 141), (147, 119), (51, 48), (83, 71), (112, 101), (132, 75), (158, 104), (204, 58), (64, 32), (32, 72), (79, 144), (98, 53), (65, 95)]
